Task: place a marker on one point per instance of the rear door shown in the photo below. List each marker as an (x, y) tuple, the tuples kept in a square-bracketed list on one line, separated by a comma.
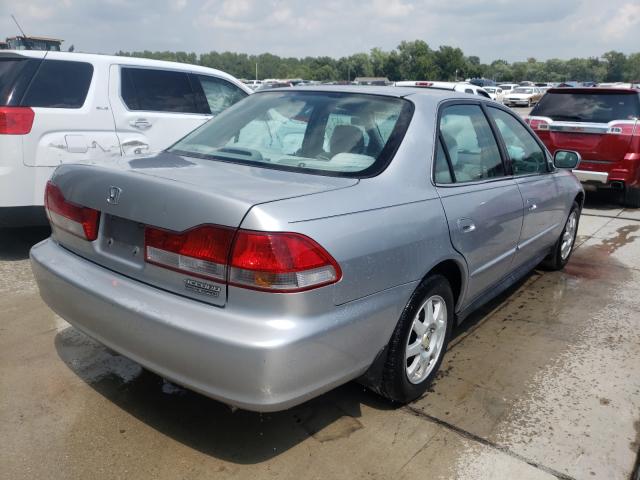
[(543, 205), (72, 121), (152, 108), (483, 205)]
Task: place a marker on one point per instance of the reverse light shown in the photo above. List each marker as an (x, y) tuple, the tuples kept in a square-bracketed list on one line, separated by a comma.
[(16, 120), (201, 251), (280, 262), (75, 219)]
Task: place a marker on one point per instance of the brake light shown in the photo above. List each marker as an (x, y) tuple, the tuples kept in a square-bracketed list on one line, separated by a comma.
[(275, 262), (202, 251), (538, 123), (72, 218), (622, 128), (424, 84), (280, 262), (16, 120)]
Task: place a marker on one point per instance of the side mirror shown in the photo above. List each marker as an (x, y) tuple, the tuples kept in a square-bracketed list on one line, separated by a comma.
[(566, 159)]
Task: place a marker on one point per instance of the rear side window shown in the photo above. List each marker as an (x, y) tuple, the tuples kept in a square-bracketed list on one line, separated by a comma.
[(219, 93), (59, 84), (471, 146), (597, 107), (158, 91), (15, 75)]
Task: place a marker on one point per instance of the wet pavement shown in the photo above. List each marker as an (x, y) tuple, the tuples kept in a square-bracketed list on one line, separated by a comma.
[(543, 383)]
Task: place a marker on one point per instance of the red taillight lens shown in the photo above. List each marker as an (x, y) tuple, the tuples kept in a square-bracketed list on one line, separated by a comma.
[(16, 120), (630, 128), (75, 219), (538, 123), (202, 251), (280, 262)]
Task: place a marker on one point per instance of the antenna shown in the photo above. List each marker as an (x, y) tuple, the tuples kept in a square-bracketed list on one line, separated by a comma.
[(19, 27)]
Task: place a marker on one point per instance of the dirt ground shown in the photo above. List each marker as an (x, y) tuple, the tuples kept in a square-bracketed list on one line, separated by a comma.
[(543, 383)]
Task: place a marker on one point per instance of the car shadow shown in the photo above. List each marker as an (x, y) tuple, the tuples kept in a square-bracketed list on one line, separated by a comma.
[(213, 428), (15, 243), (603, 200)]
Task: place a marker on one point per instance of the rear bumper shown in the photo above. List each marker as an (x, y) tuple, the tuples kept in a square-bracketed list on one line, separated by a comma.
[(259, 364), (590, 176)]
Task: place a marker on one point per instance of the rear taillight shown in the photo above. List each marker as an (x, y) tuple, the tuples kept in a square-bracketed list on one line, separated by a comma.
[(275, 262), (622, 129), (538, 123), (280, 262), (16, 120), (202, 251), (75, 219)]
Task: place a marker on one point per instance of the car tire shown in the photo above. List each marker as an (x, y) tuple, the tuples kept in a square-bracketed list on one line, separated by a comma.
[(632, 197), (413, 361), (562, 250)]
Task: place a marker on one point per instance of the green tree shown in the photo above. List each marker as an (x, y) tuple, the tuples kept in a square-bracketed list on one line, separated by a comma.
[(616, 62)]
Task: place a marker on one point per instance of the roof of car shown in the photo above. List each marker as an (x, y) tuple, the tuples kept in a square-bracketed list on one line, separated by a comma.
[(97, 58), (388, 91)]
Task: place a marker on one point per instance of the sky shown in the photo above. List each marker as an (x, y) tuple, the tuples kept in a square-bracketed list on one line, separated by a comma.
[(507, 29)]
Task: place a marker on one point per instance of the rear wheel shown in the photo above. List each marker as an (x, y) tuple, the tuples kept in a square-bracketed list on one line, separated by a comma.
[(632, 197), (419, 341), (563, 248)]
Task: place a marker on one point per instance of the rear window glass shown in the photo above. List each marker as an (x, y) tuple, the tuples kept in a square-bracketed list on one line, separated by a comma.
[(59, 84), (158, 91), (15, 75), (597, 107), (317, 132)]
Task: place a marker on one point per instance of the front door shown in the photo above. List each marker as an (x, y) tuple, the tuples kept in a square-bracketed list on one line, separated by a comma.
[(482, 204), (532, 170)]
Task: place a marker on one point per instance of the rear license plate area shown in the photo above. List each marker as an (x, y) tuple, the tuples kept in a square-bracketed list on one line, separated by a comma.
[(122, 239)]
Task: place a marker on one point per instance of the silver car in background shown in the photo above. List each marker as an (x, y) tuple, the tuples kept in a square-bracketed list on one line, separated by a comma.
[(307, 237)]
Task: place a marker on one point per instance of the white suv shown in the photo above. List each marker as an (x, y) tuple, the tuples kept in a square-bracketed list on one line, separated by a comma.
[(463, 87), (59, 107)]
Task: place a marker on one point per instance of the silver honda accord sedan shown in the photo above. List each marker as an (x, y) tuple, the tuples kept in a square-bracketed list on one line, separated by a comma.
[(305, 238)]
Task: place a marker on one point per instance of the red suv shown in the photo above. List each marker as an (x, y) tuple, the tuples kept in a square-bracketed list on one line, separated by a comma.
[(602, 125)]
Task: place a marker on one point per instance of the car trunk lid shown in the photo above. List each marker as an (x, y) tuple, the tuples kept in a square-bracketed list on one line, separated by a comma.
[(174, 193)]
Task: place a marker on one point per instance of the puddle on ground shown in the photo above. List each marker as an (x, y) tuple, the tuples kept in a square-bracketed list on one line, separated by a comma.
[(623, 237)]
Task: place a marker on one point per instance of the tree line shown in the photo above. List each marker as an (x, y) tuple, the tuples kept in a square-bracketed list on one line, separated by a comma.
[(411, 60)]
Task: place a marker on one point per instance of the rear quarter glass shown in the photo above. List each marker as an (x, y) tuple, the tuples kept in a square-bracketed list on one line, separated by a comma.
[(59, 84), (16, 73)]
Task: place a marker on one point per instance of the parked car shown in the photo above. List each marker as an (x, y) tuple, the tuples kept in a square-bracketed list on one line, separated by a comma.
[(463, 87), (508, 87), (495, 93), (272, 85), (523, 96), (253, 84), (65, 107), (602, 125), (263, 274)]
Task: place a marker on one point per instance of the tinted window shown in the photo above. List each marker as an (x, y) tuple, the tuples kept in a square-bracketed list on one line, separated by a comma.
[(526, 155), (325, 133), (442, 174), (598, 107), (470, 143), (158, 91), (219, 93), (59, 84), (15, 75)]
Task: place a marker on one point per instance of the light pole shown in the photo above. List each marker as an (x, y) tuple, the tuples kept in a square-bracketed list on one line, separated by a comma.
[(256, 70)]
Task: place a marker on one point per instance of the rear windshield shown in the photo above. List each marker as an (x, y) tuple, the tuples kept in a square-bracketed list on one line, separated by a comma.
[(327, 133), (523, 90), (596, 107), (15, 75)]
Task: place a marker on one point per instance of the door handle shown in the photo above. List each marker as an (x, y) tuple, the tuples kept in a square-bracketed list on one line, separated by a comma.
[(140, 123), (466, 225)]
